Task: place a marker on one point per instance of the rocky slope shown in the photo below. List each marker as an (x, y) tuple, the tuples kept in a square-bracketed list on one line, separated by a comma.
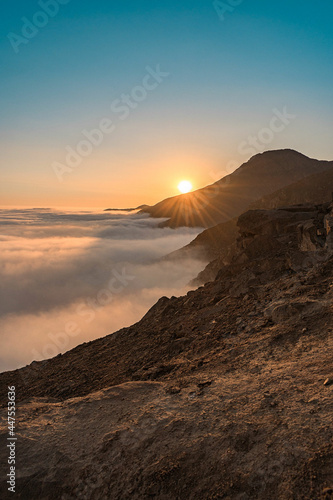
[(261, 175), (214, 244), (223, 393)]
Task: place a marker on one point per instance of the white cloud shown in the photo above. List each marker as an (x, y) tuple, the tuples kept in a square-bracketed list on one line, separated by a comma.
[(56, 264)]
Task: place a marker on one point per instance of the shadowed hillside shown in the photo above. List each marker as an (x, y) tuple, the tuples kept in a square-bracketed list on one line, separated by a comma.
[(214, 243), (313, 189)]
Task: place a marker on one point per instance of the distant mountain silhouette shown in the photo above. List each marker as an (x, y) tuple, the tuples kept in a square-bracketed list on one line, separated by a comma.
[(229, 197), (141, 207)]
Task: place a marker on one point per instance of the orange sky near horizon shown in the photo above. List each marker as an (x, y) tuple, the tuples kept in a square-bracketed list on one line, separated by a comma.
[(135, 183)]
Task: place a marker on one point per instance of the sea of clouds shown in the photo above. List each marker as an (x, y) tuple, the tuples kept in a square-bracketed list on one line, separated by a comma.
[(70, 277)]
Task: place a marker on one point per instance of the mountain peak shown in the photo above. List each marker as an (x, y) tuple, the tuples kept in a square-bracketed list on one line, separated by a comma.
[(279, 152), (260, 176)]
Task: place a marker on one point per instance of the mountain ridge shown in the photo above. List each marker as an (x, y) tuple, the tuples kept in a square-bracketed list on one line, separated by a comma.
[(227, 198), (213, 243)]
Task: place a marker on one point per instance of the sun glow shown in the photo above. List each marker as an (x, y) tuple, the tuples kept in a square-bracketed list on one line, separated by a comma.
[(185, 187)]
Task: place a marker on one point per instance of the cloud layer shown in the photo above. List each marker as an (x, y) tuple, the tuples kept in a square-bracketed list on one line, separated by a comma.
[(67, 278)]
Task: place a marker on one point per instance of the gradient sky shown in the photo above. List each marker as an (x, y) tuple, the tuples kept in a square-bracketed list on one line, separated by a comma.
[(226, 77)]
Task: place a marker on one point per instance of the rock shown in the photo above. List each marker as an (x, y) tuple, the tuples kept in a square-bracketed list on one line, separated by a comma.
[(282, 311), (172, 390), (328, 382), (307, 234), (202, 385)]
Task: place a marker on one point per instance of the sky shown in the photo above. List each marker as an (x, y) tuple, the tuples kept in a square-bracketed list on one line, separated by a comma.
[(113, 103)]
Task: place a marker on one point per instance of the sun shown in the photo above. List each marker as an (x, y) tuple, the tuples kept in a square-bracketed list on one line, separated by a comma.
[(185, 187)]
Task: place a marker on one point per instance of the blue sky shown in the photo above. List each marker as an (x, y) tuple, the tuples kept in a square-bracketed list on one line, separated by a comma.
[(225, 79)]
